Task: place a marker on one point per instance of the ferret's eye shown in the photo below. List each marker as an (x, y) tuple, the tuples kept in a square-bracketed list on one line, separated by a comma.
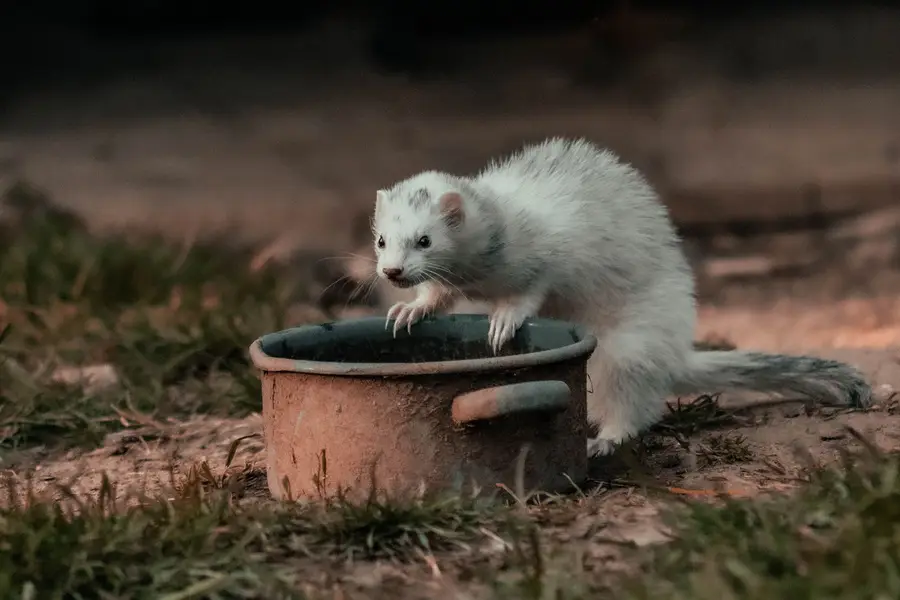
[(381, 241), (424, 242)]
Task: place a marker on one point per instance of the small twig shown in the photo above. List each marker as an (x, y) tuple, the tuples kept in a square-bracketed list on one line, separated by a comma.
[(614, 542), (769, 403), (778, 468), (431, 562), (687, 492)]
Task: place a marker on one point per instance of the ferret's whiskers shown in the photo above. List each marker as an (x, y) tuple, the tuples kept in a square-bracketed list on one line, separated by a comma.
[(363, 287), (430, 272), (370, 287), (369, 283), (435, 268), (362, 256), (343, 279), (445, 270), (362, 290), (347, 255)]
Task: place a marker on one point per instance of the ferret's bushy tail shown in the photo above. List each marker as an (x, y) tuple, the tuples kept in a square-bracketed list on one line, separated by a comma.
[(816, 378)]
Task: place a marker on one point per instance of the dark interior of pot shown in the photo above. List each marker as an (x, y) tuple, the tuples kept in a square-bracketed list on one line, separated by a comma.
[(444, 338)]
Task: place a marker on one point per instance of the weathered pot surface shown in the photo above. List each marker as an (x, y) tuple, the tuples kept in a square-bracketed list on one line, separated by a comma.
[(347, 406)]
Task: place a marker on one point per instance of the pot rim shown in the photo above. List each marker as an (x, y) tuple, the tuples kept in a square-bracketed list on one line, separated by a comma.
[(584, 346)]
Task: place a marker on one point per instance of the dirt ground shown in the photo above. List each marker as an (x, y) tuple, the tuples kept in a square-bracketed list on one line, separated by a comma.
[(739, 451)]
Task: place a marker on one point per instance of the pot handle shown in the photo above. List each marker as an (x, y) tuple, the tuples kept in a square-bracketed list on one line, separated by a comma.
[(516, 398)]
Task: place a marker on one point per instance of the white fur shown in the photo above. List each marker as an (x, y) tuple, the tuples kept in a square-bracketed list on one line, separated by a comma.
[(563, 229)]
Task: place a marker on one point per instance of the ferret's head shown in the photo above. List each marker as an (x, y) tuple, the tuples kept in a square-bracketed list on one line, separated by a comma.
[(417, 226)]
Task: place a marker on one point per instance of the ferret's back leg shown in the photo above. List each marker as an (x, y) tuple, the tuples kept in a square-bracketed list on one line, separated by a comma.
[(629, 381)]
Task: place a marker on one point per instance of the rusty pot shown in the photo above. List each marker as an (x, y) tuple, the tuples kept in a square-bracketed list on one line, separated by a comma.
[(347, 406)]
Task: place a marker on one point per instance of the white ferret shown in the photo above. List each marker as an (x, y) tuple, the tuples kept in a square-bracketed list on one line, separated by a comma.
[(565, 229)]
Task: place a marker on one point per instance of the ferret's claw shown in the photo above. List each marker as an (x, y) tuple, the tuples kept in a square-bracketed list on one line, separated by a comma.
[(504, 323), (406, 314), (600, 447), (393, 314), (398, 322)]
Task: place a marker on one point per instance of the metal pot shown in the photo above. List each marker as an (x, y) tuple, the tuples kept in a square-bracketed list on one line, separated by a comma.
[(346, 406)]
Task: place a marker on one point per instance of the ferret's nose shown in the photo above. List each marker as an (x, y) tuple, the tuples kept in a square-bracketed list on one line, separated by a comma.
[(393, 272)]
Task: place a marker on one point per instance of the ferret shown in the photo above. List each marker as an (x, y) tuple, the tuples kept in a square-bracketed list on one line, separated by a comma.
[(565, 229)]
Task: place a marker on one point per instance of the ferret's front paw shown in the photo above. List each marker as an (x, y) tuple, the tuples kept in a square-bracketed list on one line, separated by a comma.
[(600, 447), (505, 321), (405, 313)]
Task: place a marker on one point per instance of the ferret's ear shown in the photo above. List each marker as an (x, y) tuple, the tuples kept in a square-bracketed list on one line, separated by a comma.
[(451, 206), (380, 196)]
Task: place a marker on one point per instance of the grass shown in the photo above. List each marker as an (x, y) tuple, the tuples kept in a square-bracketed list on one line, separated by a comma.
[(838, 537), (173, 319), (203, 543), (381, 528), (195, 546)]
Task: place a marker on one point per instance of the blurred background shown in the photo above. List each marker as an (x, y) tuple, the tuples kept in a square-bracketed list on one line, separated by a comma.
[(771, 129)]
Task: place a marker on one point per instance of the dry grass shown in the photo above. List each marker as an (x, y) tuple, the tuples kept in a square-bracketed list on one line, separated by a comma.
[(838, 537), (173, 321)]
